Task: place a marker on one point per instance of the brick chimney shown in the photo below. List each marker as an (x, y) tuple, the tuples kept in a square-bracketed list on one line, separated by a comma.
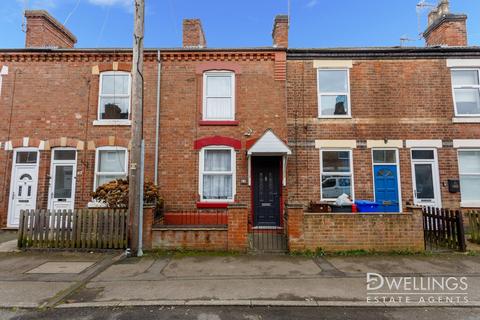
[(193, 35), (280, 31), (44, 31), (445, 28)]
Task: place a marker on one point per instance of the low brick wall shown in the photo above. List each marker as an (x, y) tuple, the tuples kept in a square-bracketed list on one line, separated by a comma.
[(191, 238), (341, 232), (223, 231)]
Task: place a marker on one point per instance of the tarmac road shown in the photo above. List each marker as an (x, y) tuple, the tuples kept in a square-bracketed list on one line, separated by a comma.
[(243, 313)]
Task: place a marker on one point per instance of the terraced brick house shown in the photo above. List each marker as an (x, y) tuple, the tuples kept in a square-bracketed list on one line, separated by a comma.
[(256, 126)]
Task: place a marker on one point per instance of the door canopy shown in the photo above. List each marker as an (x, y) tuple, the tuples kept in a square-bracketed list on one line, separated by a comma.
[(269, 144)]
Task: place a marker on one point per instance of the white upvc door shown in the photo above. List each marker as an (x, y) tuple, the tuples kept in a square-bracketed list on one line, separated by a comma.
[(425, 178), (62, 179), (23, 186)]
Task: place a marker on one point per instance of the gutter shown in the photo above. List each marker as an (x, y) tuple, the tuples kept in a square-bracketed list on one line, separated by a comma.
[(157, 116), (375, 53)]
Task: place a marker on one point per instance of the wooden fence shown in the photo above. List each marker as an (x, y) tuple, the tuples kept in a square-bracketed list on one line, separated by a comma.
[(78, 229), (474, 225), (443, 228)]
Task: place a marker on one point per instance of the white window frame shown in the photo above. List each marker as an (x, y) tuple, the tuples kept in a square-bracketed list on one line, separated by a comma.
[(474, 203), (97, 152), (397, 164), (101, 121), (206, 74), (201, 173), (350, 174), (320, 94), (464, 87)]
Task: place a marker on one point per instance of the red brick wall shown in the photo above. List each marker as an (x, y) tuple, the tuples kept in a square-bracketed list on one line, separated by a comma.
[(343, 232), (450, 33), (208, 239), (44, 31), (48, 96), (390, 99), (237, 228), (260, 104)]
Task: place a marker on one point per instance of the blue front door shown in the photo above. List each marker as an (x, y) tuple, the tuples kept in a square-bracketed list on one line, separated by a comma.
[(386, 188)]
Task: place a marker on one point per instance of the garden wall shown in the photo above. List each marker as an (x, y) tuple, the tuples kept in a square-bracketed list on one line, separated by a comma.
[(332, 232)]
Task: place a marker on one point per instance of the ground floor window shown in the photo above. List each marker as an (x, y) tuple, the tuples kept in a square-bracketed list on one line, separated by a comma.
[(217, 174), (336, 173), (110, 164), (469, 168)]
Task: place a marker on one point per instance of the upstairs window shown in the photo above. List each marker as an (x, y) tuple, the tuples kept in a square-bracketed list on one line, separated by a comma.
[(217, 177), (111, 164), (333, 93), (219, 96), (466, 92), (114, 98)]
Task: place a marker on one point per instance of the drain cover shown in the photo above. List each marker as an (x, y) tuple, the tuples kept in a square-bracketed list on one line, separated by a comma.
[(62, 267)]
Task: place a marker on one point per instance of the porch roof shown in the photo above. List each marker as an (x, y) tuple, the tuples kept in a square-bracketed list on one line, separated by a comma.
[(269, 144)]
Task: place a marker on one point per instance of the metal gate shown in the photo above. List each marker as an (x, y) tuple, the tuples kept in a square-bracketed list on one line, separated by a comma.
[(443, 228), (269, 239)]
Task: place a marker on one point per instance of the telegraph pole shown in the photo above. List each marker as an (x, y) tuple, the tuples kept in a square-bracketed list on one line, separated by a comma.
[(136, 168)]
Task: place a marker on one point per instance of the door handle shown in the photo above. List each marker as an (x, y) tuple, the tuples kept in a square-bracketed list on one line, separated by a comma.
[(13, 195)]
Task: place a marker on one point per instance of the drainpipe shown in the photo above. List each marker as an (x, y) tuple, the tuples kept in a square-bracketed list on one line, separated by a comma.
[(157, 120)]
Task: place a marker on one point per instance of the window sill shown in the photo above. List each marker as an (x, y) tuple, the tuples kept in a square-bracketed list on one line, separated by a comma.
[(112, 122), (94, 204), (466, 120), (335, 118), (472, 204), (218, 123), (212, 205)]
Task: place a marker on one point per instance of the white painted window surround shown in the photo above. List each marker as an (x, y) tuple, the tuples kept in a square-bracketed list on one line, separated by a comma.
[(218, 96), (3, 72), (423, 143), (217, 167), (466, 143)]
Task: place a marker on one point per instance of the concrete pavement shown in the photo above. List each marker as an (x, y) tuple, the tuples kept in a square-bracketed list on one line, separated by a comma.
[(32, 279)]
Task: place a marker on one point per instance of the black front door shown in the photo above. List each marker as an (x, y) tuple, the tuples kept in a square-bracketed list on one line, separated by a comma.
[(266, 191)]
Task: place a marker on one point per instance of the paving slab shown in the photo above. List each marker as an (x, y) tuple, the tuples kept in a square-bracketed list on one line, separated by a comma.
[(27, 294), (15, 266), (9, 246), (62, 267), (241, 266), (438, 264)]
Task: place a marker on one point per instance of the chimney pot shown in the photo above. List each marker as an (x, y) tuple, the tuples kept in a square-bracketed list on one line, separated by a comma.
[(44, 31), (280, 31), (193, 35)]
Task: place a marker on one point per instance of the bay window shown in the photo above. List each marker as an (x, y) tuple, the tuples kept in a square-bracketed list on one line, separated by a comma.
[(336, 173), (469, 169), (217, 174)]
